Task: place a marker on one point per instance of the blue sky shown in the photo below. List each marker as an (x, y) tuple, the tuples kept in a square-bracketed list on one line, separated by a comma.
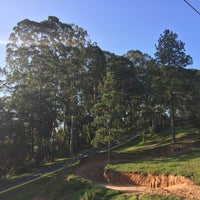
[(116, 25)]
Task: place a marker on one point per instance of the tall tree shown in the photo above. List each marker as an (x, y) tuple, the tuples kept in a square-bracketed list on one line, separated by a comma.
[(108, 112), (144, 97), (126, 82), (170, 55), (193, 101), (95, 69), (44, 58)]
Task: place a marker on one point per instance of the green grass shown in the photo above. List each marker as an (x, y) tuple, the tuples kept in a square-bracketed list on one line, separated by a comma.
[(61, 186), (148, 140), (148, 148), (185, 164), (29, 172), (65, 185)]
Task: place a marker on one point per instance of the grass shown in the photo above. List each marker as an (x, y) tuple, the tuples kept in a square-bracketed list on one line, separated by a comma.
[(149, 147), (148, 140), (65, 185), (31, 171), (61, 186), (185, 164)]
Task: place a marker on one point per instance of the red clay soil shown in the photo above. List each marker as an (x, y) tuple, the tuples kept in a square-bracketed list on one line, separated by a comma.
[(93, 169)]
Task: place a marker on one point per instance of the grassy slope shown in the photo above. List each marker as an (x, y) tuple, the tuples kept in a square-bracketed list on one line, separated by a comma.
[(146, 141), (151, 145), (186, 164), (60, 186), (64, 185)]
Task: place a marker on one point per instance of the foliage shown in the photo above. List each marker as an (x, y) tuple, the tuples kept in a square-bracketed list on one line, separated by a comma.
[(171, 51), (170, 54), (108, 112), (64, 94)]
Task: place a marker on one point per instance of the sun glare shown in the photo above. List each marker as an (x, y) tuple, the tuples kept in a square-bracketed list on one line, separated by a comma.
[(3, 42)]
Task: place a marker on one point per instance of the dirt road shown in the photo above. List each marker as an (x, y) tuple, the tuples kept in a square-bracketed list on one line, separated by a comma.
[(93, 169)]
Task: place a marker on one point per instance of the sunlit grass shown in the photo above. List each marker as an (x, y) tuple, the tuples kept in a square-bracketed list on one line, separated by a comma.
[(64, 185), (61, 186), (148, 140), (185, 164), (149, 145), (30, 172), (55, 162)]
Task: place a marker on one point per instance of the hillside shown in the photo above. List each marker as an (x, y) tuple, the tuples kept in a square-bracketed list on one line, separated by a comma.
[(147, 153), (150, 161)]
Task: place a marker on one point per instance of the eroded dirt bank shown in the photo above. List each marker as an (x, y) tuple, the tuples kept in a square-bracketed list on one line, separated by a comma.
[(144, 179), (178, 186)]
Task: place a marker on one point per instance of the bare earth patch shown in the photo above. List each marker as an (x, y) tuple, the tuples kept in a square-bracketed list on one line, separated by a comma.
[(183, 190), (93, 169)]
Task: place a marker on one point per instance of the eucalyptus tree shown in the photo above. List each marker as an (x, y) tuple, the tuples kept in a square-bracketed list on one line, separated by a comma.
[(95, 69), (170, 55), (151, 108), (43, 66), (145, 99), (127, 84), (94, 72)]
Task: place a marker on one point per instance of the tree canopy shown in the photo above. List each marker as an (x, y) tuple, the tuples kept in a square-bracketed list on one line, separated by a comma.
[(170, 55), (64, 93), (170, 51)]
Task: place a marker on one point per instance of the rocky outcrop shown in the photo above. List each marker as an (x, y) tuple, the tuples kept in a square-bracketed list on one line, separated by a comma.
[(144, 179)]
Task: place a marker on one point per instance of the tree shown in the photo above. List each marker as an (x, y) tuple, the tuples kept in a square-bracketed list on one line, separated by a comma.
[(126, 84), (170, 55), (12, 144), (144, 97), (171, 51), (44, 64), (108, 112), (193, 102)]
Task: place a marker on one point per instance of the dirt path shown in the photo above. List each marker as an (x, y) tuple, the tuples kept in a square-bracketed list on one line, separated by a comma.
[(93, 169), (183, 190)]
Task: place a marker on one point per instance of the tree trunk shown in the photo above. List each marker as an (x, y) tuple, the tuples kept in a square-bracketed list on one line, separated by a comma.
[(153, 122), (72, 136), (172, 116), (32, 144), (53, 142)]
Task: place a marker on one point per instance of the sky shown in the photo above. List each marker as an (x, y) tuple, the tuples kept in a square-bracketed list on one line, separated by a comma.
[(115, 25)]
